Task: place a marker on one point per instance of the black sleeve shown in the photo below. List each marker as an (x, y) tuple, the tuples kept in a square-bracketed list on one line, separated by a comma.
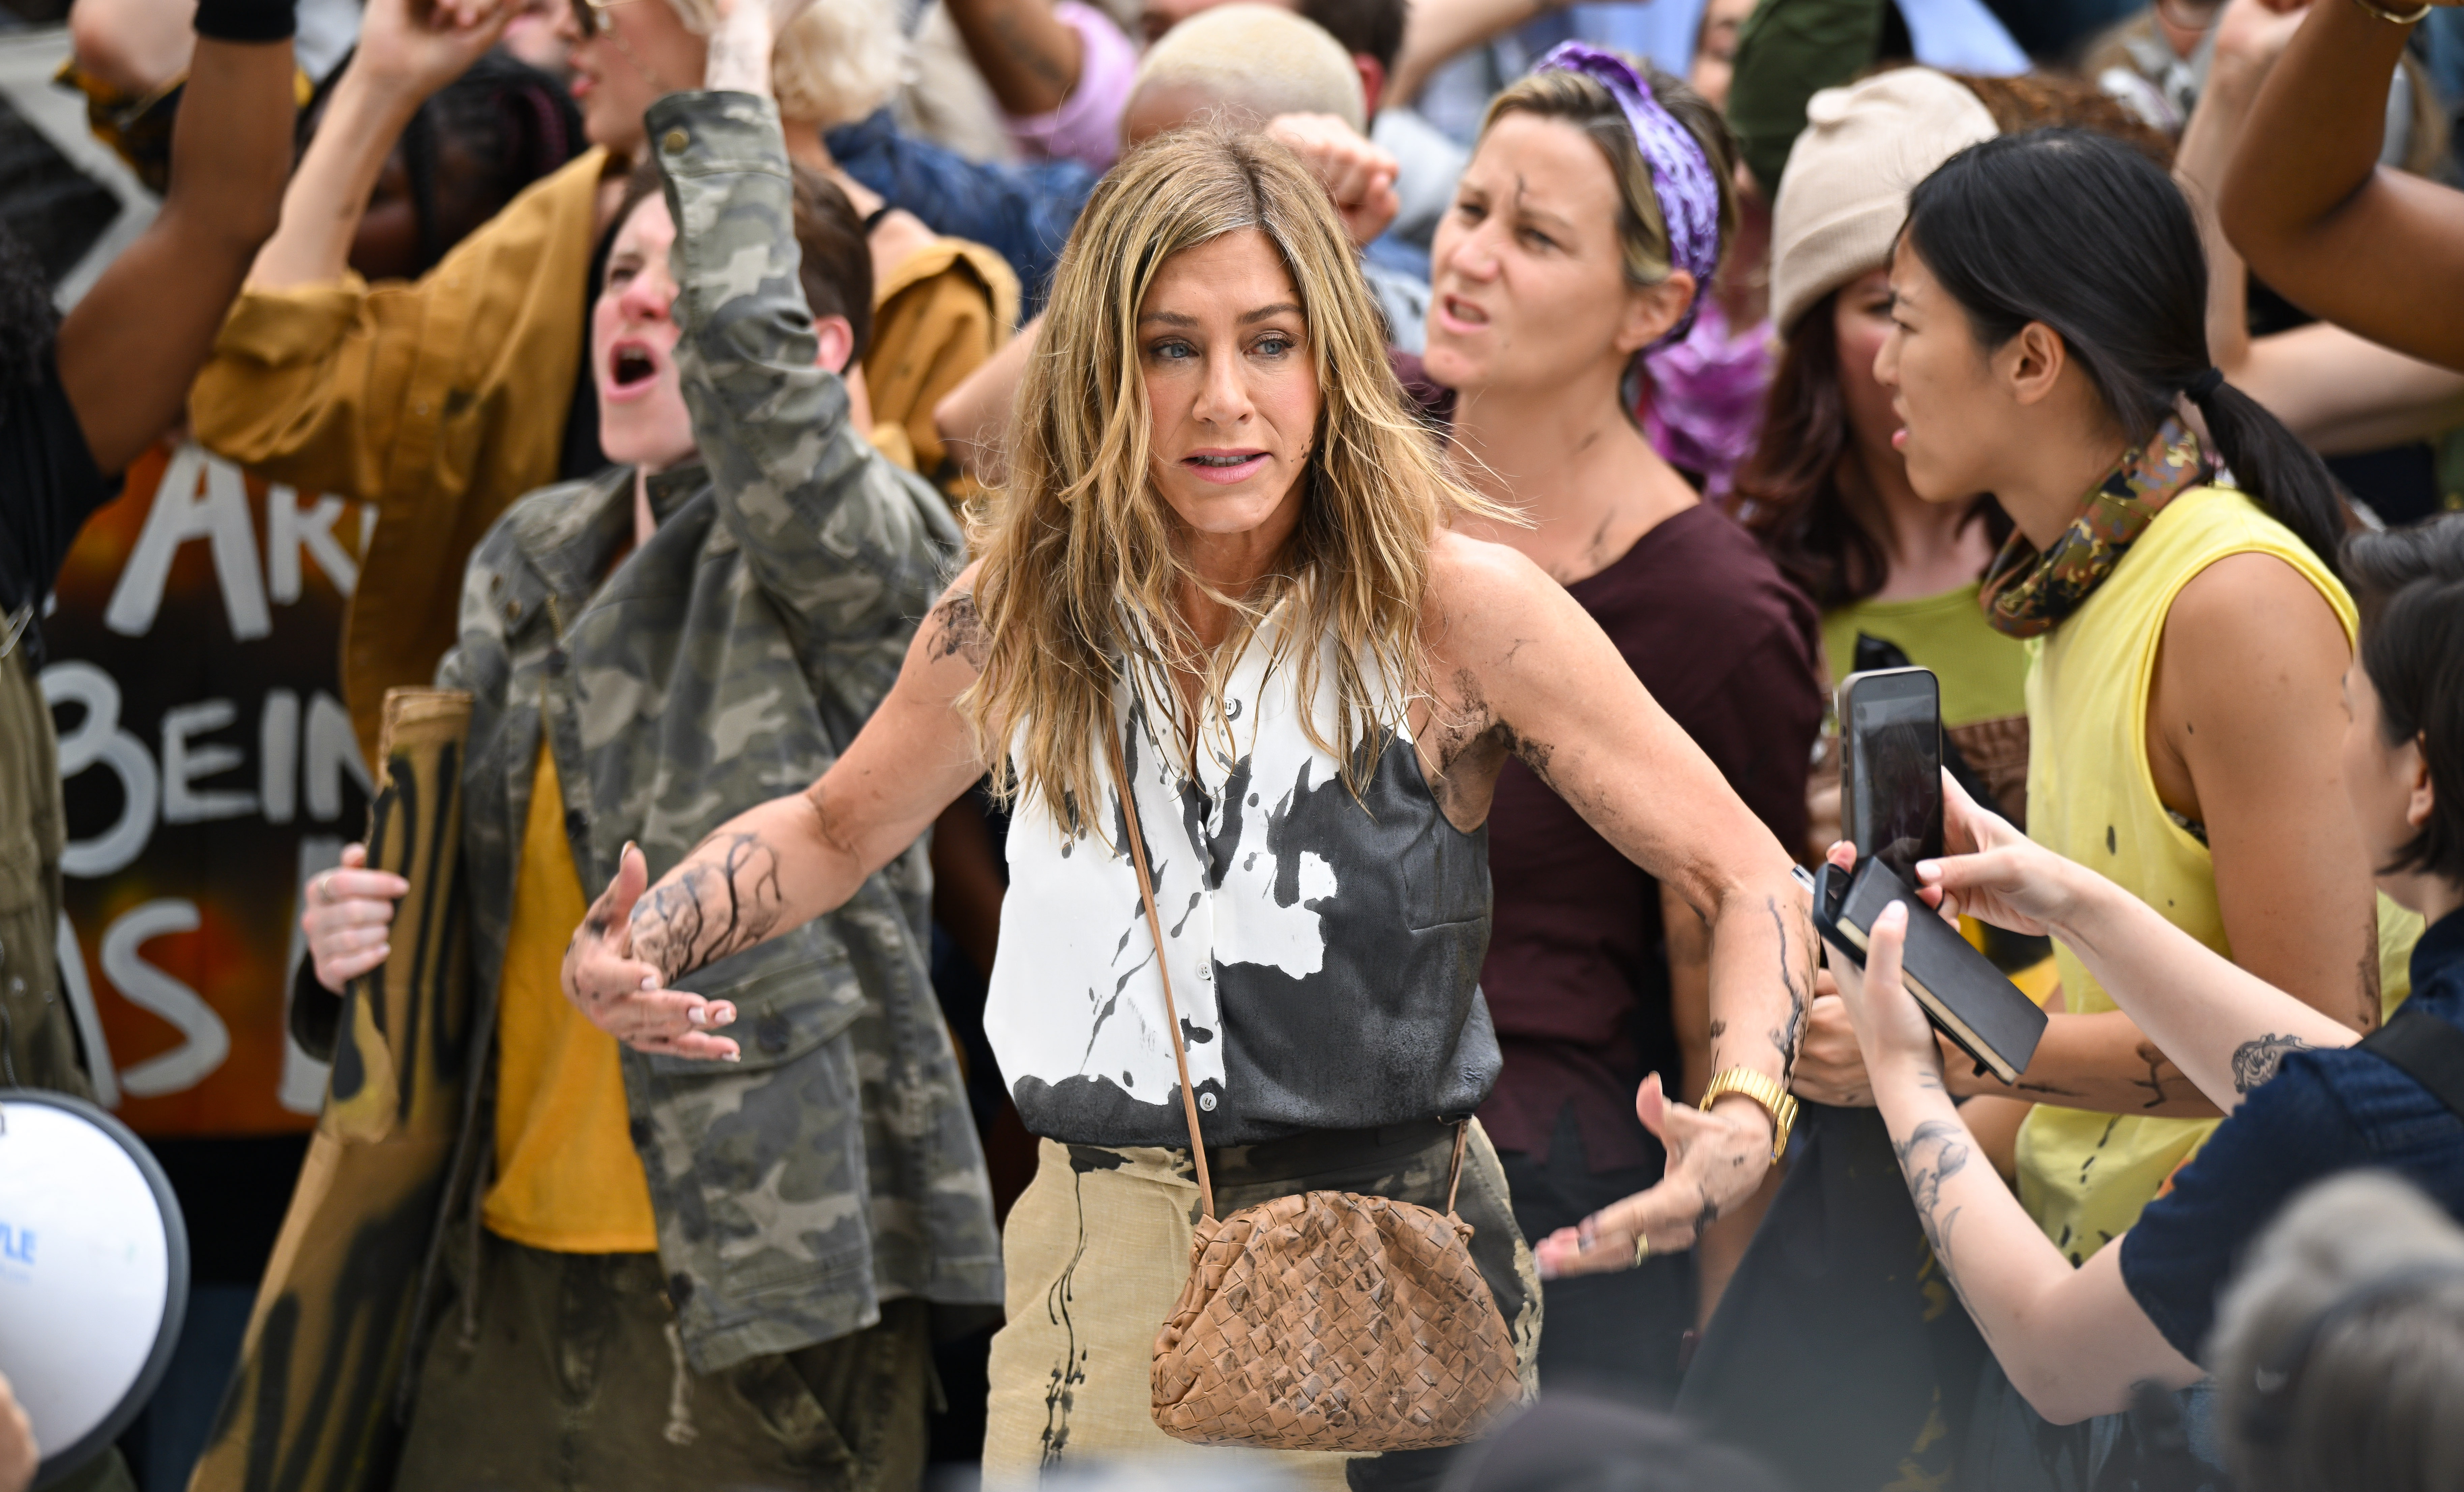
[(315, 1013), (2188, 1242), (48, 486)]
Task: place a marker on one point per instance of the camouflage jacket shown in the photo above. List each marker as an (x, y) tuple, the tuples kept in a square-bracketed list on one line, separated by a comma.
[(725, 662)]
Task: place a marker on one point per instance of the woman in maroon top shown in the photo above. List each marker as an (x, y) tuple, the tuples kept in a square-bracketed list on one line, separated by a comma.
[(1555, 271)]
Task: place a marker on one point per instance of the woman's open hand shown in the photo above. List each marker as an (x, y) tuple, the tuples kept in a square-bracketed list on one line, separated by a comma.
[(621, 995), (1715, 1161), (1992, 872)]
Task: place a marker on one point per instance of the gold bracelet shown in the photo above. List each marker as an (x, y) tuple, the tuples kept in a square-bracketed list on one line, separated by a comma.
[(1763, 1089), (2371, 6)]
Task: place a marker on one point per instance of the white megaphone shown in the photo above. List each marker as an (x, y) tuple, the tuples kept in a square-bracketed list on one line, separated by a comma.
[(94, 1273)]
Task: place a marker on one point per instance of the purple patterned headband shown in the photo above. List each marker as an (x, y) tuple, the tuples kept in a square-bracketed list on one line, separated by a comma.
[(1681, 177)]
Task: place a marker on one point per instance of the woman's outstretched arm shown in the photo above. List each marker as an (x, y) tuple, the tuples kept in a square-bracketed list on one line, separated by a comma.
[(2226, 1028), (2072, 1341), (777, 866), (1522, 668)]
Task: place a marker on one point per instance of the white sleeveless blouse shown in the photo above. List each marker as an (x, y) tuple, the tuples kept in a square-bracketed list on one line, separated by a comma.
[(1325, 949)]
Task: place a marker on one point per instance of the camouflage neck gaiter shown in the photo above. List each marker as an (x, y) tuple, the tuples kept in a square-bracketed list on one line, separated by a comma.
[(2027, 593)]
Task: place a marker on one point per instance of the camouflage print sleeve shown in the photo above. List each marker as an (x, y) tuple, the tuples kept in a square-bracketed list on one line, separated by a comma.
[(829, 533)]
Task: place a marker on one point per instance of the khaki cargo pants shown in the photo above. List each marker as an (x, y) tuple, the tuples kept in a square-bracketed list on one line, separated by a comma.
[(575, 1381)]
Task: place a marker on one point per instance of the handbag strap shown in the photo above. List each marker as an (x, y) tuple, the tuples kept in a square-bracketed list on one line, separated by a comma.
[(1154, 928), (1172, 1012), (1454, 1168)]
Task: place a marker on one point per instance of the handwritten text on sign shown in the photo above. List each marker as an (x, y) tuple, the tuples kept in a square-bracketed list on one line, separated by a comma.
[(208, 767)]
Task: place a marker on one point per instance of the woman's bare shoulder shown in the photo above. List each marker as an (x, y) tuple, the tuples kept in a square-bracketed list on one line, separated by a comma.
[(2208, 622), (1472, 574), (1486, 598)]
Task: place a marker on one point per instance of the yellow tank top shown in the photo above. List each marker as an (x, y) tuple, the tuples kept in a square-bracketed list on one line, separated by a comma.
[(568, 1180), (2084, 1176)]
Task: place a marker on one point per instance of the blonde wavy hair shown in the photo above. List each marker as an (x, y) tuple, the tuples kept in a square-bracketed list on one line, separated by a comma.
[(835, 63), (1082, 561)]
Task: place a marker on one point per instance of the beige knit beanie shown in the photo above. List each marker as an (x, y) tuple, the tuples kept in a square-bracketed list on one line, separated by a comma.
[(1845, 191)]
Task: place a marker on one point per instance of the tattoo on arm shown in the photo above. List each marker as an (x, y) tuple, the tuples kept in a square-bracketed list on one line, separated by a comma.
[(1935, 1152), (2254, 1063), (1788, 1038), (960, 632), (2369, 1010), (724, 898), (2164, 1080)]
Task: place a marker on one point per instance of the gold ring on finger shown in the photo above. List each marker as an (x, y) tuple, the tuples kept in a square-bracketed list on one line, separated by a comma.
[(1641, 1247)]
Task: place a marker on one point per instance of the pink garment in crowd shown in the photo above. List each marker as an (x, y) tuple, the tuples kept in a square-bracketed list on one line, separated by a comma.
[(1087, 127), (1702, 399)]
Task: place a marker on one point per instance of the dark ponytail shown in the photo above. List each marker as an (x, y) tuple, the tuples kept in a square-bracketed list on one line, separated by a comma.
[(2281, 473), (2091, 238)]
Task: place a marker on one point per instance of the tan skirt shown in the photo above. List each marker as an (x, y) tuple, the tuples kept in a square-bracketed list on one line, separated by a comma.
[(1096, 1250)]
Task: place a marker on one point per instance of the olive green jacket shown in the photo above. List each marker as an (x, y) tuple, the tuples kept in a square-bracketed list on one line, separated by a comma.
[(727, 661)]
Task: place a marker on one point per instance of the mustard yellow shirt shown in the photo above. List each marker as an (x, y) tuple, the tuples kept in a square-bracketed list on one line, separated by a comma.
[(936, 318), (568, 1180), (439, 400)]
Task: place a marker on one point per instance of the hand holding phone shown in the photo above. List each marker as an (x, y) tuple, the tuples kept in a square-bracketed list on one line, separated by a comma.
[(1994, 873), (1965, 996)]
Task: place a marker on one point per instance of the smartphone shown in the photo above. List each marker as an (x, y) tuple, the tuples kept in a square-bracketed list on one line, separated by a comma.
[(1966, 997), (1891, 766)]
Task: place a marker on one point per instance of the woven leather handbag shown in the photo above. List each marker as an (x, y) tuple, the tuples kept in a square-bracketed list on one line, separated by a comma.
[(1327, 1321)]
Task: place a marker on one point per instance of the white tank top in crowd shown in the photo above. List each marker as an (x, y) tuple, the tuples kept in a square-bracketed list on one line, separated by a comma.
[(1325, 948)]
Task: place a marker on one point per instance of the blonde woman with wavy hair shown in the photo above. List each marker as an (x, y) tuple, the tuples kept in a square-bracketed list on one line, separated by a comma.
[(1227, 545)]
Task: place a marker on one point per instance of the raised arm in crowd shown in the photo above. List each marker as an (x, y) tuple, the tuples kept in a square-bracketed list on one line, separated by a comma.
[(2371, 248), (128, 348), (2340, 392)]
